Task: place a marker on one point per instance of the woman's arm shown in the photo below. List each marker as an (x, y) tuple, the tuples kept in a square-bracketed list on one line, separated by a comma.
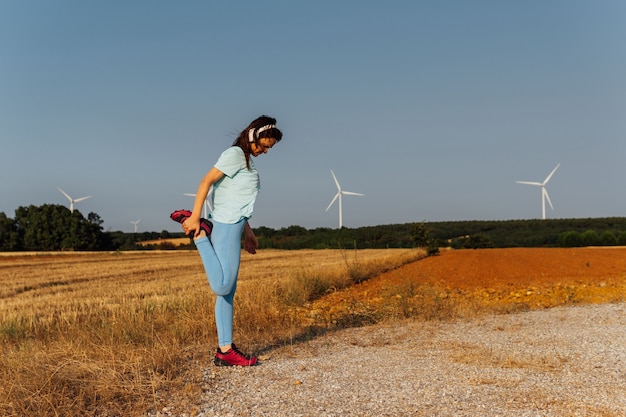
[(211, 177)]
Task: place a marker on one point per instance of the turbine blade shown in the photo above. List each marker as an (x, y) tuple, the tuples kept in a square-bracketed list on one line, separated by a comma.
[(545, 193), (65, 194), (336, 182), (82, 198), (551, 174), (208, 198), (351, 193), (529, 183), (333, 200), (207, 201)]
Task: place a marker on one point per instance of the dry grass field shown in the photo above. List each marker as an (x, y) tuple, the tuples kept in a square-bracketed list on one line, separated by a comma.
[(115, 334), (110, 334)]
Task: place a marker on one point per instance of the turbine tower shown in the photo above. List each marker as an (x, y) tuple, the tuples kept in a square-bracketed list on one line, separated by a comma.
[(207, 204), (544, 192), (136, 222), (340, 192), (72, 201)]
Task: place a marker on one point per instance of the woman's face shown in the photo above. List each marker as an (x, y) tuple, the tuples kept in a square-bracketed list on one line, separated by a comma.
[(261, 146)]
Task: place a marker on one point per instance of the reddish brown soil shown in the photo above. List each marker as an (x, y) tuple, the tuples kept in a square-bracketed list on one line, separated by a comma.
[(458, 282)]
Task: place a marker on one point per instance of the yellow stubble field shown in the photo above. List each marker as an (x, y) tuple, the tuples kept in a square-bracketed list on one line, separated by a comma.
[(109, 333)]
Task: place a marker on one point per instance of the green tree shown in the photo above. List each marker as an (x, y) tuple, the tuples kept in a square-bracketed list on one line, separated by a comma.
[(608, 238), (9, 236), (590, 238), (570, 239), (420, 235), (422, 238), (293, 231), (264, 231), (477, 241), (54, 227)]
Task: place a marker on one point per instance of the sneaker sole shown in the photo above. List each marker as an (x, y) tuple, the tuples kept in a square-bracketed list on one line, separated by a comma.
[(179, 216)]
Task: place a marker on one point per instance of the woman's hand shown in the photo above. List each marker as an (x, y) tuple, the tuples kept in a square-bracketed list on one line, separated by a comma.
[(191, 225), (250, 243)]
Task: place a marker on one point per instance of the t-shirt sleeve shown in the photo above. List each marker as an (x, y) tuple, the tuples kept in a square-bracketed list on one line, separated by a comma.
[(231, 161)]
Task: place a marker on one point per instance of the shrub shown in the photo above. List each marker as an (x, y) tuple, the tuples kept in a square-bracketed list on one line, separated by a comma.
[(570, 240), (423, 239), (477, 241), (590, 238), (608, 239)]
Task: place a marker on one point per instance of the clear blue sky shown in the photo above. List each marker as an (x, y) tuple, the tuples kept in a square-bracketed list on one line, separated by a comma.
[(432, 109)]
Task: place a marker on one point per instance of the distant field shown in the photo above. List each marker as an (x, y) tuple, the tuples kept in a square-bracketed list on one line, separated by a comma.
[(173, 241)]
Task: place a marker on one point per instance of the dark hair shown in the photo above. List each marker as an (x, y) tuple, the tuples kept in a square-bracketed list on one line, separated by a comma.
[(243, 140)]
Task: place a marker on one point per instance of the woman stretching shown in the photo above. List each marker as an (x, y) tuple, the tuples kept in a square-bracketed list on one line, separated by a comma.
[(235, 184)]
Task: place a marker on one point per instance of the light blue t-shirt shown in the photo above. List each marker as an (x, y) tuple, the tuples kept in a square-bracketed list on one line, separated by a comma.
[(235, 193)]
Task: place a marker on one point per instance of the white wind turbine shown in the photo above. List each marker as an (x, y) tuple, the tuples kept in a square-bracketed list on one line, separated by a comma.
[(544, 192), (340, 192), (207, 204), (136, 222), (72, 201)]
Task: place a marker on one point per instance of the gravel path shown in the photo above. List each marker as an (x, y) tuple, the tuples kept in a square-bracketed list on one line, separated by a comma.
[(567, 361)]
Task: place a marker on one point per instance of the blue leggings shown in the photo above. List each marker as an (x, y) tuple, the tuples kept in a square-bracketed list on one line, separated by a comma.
[(221, 256)]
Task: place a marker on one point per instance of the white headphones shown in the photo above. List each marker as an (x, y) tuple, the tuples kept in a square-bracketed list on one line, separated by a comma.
[(254, 133)]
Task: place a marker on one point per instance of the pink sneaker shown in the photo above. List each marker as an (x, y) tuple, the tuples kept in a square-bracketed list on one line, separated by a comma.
[(180, 216), (233, 358)]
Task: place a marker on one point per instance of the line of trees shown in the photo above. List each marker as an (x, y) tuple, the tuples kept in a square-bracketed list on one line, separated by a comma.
[(531, 233), (49, 228), (54, 227), (591, 238), (455, 234)]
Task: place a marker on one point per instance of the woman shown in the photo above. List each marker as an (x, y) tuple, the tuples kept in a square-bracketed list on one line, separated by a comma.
[(235, 184)]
